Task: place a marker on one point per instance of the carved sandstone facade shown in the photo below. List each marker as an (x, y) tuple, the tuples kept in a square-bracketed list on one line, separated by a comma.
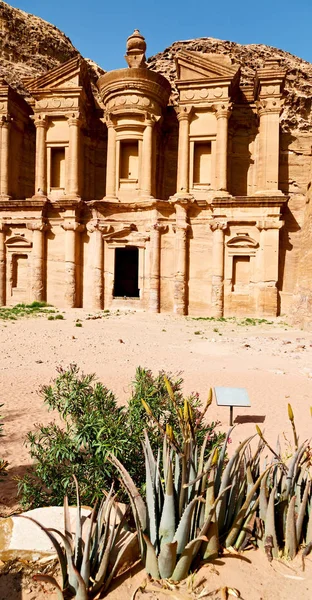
[(132, 201)]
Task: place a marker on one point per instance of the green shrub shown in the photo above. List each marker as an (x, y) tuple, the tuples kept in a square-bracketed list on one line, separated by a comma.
[(93, 425)]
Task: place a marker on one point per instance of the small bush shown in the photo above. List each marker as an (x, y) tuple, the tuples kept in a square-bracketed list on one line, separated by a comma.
[(78, 324), (93, 425), (59, 317)]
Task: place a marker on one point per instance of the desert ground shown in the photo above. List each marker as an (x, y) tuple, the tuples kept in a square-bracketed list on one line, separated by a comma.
[(271, 360)]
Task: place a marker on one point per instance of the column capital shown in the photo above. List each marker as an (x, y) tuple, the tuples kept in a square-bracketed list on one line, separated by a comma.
[(98, 225), (159, 227), (37, 225), (5, 120), (218, 225), (265, 224), (182, 200), (73, 226), (223, 110), (269, 106), (40, 121), (3, 226), (183, 112), (74, 119)]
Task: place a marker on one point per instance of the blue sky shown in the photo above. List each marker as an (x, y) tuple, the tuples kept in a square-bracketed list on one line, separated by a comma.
[(99, 28)]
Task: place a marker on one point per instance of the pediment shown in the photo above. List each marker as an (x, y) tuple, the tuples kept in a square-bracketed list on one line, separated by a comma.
[(193, 65), (70, 75), (18, 241), (242, 241)]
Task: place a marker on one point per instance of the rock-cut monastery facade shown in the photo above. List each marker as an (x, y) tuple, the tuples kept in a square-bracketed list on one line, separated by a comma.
[(131, 201)]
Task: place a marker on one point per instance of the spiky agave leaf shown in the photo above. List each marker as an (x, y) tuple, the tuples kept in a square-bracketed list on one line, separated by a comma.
[(292, 470), (226, 479), (235, 529), (119, 559), (74, 578), (290, 531), (167, 560), (269, 527), (167, 521), (302, 510), (57, 546), (182, 533), (151, 562), (133, 493), (308, 539), (183, 566)]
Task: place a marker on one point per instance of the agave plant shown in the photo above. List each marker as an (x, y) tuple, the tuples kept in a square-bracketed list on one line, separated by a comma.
[(285, 509), (189, 497), (91, 557)]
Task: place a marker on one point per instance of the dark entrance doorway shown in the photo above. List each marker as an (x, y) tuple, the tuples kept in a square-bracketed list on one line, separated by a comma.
[(126, 281)]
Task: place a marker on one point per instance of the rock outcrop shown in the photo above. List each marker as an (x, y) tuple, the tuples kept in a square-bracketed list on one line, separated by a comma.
[(30, 46)]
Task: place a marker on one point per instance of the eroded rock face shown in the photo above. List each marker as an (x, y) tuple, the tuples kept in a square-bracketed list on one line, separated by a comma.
[(30, 46)]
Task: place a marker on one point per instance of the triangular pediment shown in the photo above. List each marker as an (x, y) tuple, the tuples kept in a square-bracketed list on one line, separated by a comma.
[(70, 75), (192, 66)]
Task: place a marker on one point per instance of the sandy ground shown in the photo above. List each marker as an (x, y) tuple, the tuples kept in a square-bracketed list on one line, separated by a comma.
[(272, 361)]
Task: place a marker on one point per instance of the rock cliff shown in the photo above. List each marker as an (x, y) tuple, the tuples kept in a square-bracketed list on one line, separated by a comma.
[(30, 46)]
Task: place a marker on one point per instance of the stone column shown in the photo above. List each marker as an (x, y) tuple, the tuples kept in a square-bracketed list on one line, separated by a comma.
[(96, 263), (74, 156), (71, 229), (147, 159), (268, 161), (3, 228), (155, 247), (180, 283), (223, 112), (41, 124), (217, 282), (111, 161), (37, 259), (5, 157), (267, 267), (183, 151)]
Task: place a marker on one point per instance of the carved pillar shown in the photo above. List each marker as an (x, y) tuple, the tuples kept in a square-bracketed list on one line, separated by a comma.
[(183, 151), (96, 264), (267, 267), (3, 227), (41, 124), (268, 161), (111, 161), (5, 157), (37, 259), (217, 282), (147, 159), (180, 283), (71, 230), (155, 247), (223, 112), (74, 156)]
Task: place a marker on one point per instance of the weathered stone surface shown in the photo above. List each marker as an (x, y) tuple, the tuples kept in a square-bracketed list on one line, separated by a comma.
[(180, 184)]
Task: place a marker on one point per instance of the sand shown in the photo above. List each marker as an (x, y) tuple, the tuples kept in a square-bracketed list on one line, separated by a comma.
[(272, 361)]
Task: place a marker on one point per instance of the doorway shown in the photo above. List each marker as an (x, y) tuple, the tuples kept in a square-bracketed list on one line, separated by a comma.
[(126, 281)]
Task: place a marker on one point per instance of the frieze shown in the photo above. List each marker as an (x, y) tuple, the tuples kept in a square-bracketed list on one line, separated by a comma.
[(55, 103), (203, 94), (132, 100)]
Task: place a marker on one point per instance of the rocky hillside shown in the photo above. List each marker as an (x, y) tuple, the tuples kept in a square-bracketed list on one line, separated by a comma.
[(298, 90), (30, 46)]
